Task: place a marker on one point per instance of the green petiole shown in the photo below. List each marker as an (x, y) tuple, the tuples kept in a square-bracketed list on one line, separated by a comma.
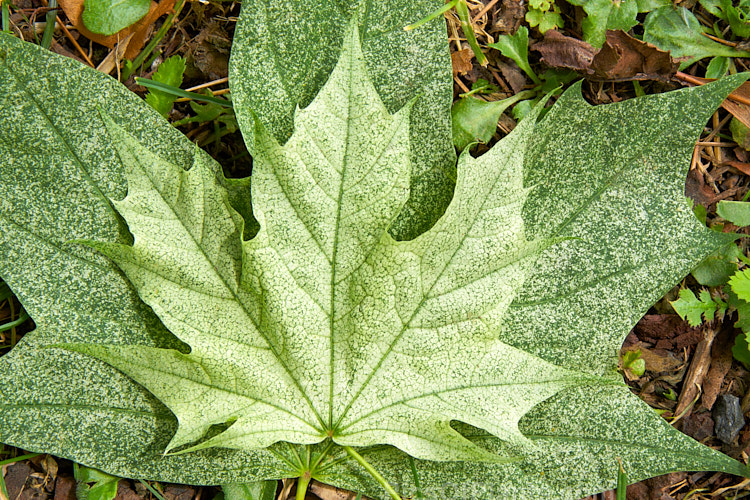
[(375, 474), (463, 15)]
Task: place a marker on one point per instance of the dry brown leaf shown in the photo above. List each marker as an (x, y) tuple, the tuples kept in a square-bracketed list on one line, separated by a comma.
[(622, 58), (560, 51), (461, 60), (693, 383), (741, 166), (656, 361), (74, 9)]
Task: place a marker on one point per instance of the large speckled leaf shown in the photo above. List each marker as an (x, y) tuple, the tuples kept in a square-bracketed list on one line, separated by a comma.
[(297, 43), (323, 326), (618, 195), (51, 157)]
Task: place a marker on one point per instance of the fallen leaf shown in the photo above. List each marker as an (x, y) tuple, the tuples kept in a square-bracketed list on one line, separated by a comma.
[(65, 488), (656, 361), (512, 75), (741, 166), (623, 58), (560, 51), (461, 61), (692, 386), (721, 362), (74, 10)]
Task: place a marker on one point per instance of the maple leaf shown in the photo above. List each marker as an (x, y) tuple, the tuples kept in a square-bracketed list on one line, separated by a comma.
[(556, 241), (323, 326)]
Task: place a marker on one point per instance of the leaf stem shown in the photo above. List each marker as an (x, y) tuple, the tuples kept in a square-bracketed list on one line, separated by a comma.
[(49, 27), (5, 15), (463, 15), (375, 474), (302, 483), (434, 15)]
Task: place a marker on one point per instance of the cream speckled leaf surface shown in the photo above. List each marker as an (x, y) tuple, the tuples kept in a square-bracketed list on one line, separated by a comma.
[(297, 43), (618, 195), (322, 325)]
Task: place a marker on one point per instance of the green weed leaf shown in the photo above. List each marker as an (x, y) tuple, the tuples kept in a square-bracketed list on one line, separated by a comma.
[(169, 72), (516, 47), (736, 212), (696, 309), (603, 15), (677, 30), (740, 284), (107, 17)]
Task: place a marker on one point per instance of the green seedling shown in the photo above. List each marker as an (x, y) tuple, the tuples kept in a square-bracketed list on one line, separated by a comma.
[(481, 86), (5, 15), (544, 15), (169, 73), (697, 309), (622, 482), (176, 92), (603, 15), (633, 362), (738, 16), (721, 269), (50, 19), (463, 15), (475, 120), (670, 394), (93, 484), (132, 66), (259, 490), (516, 47)]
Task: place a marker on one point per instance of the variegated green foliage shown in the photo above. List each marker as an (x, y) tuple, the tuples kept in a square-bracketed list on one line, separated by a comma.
[(493, 335)]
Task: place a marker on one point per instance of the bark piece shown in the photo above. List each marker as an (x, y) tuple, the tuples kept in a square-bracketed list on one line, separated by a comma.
[(696, 373)]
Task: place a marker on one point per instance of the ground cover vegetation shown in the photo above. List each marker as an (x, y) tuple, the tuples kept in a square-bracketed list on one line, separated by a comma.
[(210, 340)]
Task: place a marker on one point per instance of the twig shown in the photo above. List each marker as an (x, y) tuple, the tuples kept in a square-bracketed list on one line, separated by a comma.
[(208, 84), (484, 11), (74, 42)]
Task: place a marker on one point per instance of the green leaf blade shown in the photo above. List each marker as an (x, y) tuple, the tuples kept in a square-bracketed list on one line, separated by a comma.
[(107, 17)]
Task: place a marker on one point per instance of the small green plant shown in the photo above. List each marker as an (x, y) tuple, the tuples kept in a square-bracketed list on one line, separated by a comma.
[(544, 15), (94, 484), (603, 15), (731, 292), (633, 362), (677, 30), (169, 73)]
